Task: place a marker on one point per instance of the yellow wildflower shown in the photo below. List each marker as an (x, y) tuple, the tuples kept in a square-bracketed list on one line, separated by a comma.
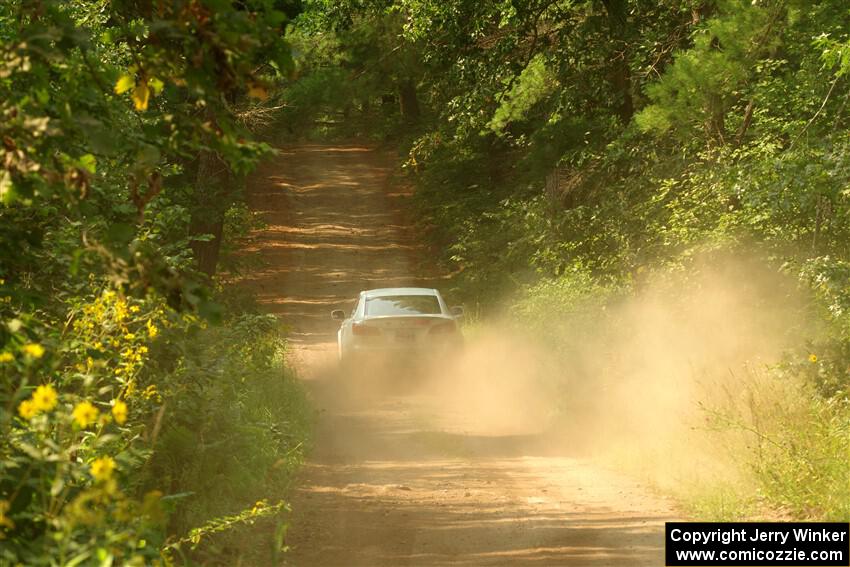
[(134, 309), (129, 336), (34, 350), (5, 521), (27, 409), (153, 331), (151, 392), (119, 411), (6, 357), (120, 310), (44, 398), (85, 414), (813, 358), (101, 468)]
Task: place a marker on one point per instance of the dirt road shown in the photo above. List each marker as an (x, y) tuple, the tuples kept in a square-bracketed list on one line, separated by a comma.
[(397, 479)]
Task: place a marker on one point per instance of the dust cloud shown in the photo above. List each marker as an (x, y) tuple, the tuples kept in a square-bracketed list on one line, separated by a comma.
[(633, 385)]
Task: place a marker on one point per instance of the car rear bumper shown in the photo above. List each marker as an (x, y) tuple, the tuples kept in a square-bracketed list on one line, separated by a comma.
[(393, 353)]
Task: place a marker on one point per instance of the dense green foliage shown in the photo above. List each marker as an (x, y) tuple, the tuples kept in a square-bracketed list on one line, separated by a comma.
[(562, 150), (562, 147), (138, 400)]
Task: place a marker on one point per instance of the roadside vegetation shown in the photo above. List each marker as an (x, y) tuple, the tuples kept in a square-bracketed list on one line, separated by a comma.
[(591, 165), (578, 159), (147, 415)]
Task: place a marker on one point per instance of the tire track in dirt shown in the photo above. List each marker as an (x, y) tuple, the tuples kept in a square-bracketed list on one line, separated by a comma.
[(391, 482)]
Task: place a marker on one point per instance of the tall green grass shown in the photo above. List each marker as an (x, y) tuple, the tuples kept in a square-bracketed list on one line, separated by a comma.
[(235, 429)]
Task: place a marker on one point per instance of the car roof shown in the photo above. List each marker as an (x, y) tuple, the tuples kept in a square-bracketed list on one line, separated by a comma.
[(385, 291)]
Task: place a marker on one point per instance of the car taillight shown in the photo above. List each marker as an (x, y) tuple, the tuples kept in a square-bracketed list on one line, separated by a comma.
[(364, 331), (446, 328)]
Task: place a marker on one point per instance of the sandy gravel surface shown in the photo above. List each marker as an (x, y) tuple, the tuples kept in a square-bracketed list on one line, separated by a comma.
[(398, 476)]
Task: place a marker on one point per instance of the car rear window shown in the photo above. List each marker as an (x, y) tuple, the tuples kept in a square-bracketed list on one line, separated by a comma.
[(403, 305)]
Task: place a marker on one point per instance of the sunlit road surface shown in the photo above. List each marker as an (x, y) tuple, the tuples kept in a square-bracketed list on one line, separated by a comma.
[(399, 475)]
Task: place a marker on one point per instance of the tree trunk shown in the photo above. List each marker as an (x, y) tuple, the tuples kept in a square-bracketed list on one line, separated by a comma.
[(745, 123), (408, 101), (553, 186), (622, 83), (716, 119), (210, 203), (621, 80)]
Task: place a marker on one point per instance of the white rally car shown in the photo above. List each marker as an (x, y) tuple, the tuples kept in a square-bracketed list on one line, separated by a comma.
[(401, 322)]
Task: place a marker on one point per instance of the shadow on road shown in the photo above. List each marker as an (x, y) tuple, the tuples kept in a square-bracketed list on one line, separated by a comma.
[(333, 230)]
